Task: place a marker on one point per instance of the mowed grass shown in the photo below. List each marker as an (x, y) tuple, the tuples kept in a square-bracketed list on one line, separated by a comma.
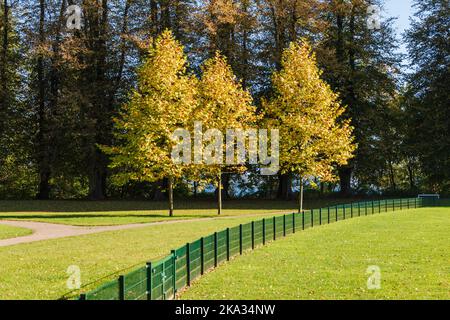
[(38, 270), (91, 213), (410, 247), (7, 232)]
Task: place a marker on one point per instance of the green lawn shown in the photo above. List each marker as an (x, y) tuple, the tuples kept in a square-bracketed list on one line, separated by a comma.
[(12, 232), (410, 247), (38, 270), (124, 212)]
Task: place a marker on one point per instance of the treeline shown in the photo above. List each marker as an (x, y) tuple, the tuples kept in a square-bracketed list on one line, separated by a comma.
[(61, 89)]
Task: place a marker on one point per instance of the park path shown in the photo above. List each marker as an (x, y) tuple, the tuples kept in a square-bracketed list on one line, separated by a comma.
[(46, 231)]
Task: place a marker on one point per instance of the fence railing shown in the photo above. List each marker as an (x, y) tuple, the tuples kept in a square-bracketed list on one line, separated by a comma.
[(162, 279)]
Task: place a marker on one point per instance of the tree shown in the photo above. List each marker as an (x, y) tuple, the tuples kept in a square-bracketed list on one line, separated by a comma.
[(428, 94), (307, 112), (361, 65), (223, 105), (162, 103)]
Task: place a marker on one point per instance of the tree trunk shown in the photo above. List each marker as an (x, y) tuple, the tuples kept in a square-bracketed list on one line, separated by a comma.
[(322, 188), (102, 106), (4, 81), (154, 19), (97, 180), (284, 187), (160, 193), (4, 61), (300, 197), (195, 189), (392, 176), (345, 175), (43, 152), (225, 177), (170, 183), (411, 176), (219, 194)]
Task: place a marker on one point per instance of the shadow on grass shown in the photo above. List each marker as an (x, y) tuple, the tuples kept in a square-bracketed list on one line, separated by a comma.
[(81, 216), (72, 206)]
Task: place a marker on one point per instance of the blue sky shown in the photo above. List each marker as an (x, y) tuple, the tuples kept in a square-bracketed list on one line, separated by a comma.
[(402, 10)]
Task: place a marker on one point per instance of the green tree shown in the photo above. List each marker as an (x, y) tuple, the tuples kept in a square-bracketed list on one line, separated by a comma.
[(361, 65), (428, 95)]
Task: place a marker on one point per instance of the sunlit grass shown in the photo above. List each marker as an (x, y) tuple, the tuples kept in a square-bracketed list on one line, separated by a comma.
[(7, 232), (330, 262)]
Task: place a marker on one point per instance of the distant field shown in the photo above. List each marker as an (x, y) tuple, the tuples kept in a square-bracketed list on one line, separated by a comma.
[(12, 232), (410, 247), (123, 212)]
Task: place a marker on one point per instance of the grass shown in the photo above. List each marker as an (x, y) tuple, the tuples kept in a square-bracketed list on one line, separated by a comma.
[(330, 262), (7, 232), (38, 270), (90, 213)]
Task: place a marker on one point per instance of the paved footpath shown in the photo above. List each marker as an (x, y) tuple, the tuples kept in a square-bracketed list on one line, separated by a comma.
[(45, 231)]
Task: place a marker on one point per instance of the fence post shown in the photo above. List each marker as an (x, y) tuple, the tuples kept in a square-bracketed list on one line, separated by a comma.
[(415, 202), (393, 204), (373, 208), (82, 296), (343, 208), (401, 204), (351, 209), (336, 209), (228, 244), (264, 230), (359, 209), (121, 287), (148, 266), (328, 209), (274, 228), (312, 218), (293, 223), (365, 208), (379, 206), (240, 239), (253, 235), (215, 249), (174, 274), (163, 284), (202, 256), (303, 220), (320, 216), (407, 203), (188, 264), (284, 225)]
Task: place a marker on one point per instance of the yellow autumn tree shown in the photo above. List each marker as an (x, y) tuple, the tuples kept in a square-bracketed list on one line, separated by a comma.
[(313, 139), (222, 105), (162, 103)]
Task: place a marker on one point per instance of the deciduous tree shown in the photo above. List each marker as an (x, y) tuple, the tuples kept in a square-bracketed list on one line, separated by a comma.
[(162, 103), (313, 139)]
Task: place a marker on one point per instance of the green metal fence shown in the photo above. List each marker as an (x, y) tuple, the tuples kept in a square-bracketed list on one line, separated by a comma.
[(162, 279)]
